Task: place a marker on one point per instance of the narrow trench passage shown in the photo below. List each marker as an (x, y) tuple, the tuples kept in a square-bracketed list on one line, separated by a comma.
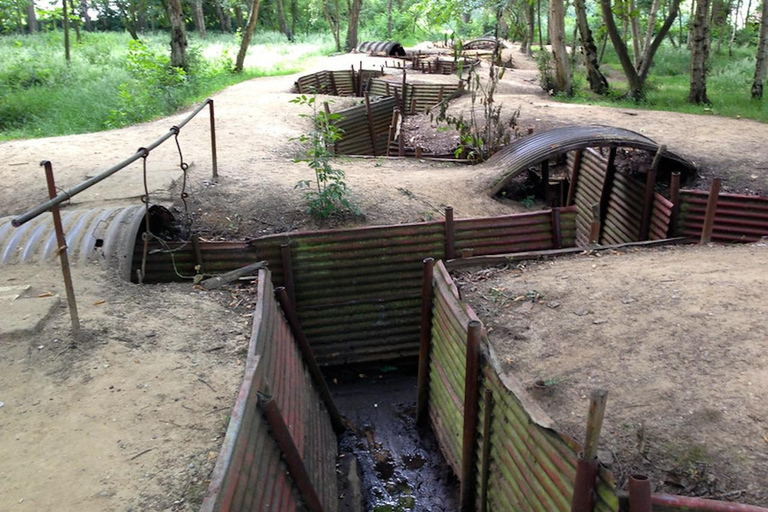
[(386, 461)]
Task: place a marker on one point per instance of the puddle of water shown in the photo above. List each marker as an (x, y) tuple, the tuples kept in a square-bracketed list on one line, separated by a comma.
[(401, 467)]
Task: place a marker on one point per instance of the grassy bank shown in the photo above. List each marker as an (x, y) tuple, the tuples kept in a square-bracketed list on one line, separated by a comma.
[(113, 81), (728, 84)]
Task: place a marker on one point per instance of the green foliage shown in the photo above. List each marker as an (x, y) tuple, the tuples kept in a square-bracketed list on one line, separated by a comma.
[(546, 70), (113, 81), (329, 195)]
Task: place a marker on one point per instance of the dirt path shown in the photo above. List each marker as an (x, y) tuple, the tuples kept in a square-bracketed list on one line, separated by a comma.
[(678, 338)]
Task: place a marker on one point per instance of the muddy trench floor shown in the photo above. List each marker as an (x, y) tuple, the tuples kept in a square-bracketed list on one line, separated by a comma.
[(386, 462)]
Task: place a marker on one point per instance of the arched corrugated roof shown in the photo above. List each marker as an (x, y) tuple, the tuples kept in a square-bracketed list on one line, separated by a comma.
[(531, 150), (390, 48)]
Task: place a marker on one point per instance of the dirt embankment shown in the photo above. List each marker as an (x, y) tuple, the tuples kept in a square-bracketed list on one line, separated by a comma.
[(678, 338)]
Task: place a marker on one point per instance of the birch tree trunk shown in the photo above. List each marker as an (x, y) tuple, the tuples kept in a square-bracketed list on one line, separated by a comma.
[(247, 35), (559, 52), (762, 57), (634, 23), (597, 81)]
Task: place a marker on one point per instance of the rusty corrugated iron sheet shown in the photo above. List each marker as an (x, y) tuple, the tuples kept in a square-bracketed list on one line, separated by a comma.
[(589, 188), (344, 82), (738, 218), (250, 474), (661, 215), (533, 467), (426, 95), (625, 210), (357, 128), (383, 48), (529, 151)]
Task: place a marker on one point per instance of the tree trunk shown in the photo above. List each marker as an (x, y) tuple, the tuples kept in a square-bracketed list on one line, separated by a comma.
[(389, 19), (690, 24), (651, 23), (247, 35), (354, 19), (635, 86), (746, 14), (76, 23), (762, 55), (66, 29), (178, 35), (31, 17), (538, 7), (735, 26), (530, 21), (700, 53), (199, 17), (333, 21), (597, 81), (86, 16), (238, 16), (635, 25), (556, 23), (225, 19), (294, 15), (282, 20)]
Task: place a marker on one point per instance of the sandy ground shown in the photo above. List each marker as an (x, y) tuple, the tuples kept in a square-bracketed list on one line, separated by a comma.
[(131, 418), (76, 423), (678, 338)]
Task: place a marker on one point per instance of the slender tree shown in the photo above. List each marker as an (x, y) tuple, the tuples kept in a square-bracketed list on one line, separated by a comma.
[(389, 19), (636, 77), (597, 81), (353, 8), (66, 29), (333, 20), (247, 35), (197, 10), (556, 26), (282, 20), (31, 17), (634, 23), (762, 55), (530, 25), (651, 23), (294, 15), (700, 53)]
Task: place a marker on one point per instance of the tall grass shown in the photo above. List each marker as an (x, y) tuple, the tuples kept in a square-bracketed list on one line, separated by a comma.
[(112, 82), (728, 84)]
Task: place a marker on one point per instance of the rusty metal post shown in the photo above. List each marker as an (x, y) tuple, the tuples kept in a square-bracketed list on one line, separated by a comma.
[(557, 232), (709, 216), (371, 129), (639, 493), (360, 80), (574, 177), (309, 357), (214, 159), (650, 189), (392, 131), (485, 461), (296, 467), (413, 106), (62, 251), (425, 340), (450, 234), (587, 463), (674, 197), (419, 151), (285, 256), (471, 399), (594, 230), (610, 177), (545, 180)]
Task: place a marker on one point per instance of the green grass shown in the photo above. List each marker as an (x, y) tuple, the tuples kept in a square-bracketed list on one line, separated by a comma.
[(105, 86), (728, 84)]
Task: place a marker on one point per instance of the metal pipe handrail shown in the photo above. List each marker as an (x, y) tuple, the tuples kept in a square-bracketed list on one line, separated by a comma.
[(141, 152)]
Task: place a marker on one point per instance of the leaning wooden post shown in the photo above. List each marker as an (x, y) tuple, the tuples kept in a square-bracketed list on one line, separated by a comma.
[(574, 177), (587, 463), (291, 455), (450, 234), (674, 198), (709, 216), (287, 261), (545, 180), (471, 399), (371, 129), (427, 294), (61, 240), (309, 358), (214, 159), (650, 189)]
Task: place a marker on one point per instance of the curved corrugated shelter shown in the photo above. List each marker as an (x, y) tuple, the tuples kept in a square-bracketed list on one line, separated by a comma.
[(387, 48), (98, 234), (528, 151)]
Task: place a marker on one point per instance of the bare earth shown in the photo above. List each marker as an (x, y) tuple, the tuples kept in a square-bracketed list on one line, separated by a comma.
[(77, 423), (678, 338)]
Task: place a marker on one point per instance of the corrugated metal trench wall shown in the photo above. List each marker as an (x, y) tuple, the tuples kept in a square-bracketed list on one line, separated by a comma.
[(532, 466), (250, 474), (364, 131), (738, 218)]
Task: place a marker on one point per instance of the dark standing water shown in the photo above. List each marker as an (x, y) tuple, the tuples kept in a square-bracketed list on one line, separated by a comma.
[(400, 466)]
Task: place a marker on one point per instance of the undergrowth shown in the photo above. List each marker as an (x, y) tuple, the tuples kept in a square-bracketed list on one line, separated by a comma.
[(113, 81)]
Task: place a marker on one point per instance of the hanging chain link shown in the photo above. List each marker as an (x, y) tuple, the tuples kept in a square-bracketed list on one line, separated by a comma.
[(145, 200), (184, 167)]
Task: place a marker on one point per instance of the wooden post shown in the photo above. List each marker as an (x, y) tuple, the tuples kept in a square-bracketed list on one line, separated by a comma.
[(709, 216), (318, 86), (594, 232), (450, 234), (371, 130), (587, 463), (293, 460), (289, 310), (674, 197), (557, 234), (360, 80), (419, 151), (485, 461), (427, 294), (471, 399), (574, 177), (333, 83), (413, 106), (285, 255), (650, 189), (610, 176), (545, 180), (392, 131), (61, 241), (214, 158)]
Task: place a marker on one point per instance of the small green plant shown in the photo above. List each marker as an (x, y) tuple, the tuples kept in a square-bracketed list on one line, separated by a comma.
[(329, 195), (529, 201), (546, 73)]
